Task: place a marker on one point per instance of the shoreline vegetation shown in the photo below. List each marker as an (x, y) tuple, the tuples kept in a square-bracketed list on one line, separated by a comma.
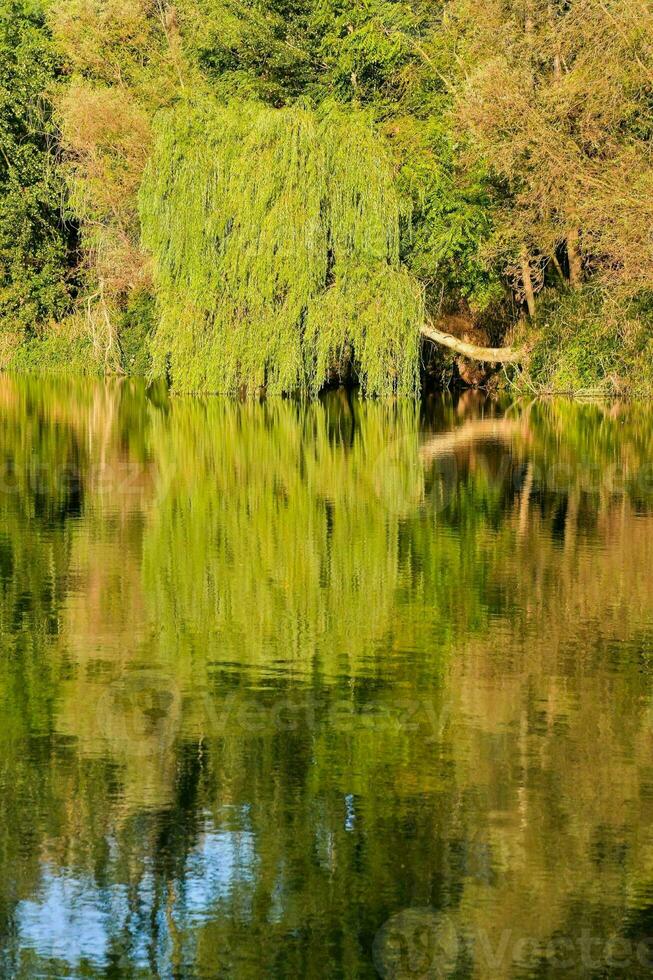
[(248, 195)]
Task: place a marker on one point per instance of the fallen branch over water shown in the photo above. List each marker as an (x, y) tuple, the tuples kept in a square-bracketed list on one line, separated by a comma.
[(495, 355)]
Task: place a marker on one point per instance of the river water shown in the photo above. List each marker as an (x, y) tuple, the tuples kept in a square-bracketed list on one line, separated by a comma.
[(343, 689)]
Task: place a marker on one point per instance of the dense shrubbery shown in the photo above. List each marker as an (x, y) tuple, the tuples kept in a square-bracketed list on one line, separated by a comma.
[(35, 245), (588, 342), (501, 179)]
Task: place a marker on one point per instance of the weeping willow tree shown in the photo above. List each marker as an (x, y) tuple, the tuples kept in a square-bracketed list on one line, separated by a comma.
[(275, 239)]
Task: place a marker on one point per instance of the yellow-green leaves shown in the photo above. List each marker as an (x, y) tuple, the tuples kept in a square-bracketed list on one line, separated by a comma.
[(275, 237)]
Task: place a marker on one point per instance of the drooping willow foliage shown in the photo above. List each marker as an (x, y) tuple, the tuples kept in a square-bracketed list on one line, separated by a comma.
[(275, 238)]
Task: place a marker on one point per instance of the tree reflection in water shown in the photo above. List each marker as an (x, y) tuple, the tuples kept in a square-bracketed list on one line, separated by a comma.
[(273, 673)]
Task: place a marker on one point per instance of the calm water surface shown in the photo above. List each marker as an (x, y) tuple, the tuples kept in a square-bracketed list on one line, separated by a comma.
[(341, 690)]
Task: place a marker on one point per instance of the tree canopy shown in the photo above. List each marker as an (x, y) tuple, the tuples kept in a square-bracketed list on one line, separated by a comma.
[(342, 175)]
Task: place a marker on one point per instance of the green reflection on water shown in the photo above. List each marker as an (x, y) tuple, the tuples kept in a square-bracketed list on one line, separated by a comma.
[(279, 679)]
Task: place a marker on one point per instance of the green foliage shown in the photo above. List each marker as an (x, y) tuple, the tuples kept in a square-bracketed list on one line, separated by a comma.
[(302, 234), (329, 170), (275, 235), (451, 213), (387, 57), (278, 50), (136, 327), (368, 48), (250, 49), (64, 348), (590, 342), (33, 243)]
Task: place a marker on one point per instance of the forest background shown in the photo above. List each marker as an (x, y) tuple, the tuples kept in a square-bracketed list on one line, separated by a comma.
[(248, 194)]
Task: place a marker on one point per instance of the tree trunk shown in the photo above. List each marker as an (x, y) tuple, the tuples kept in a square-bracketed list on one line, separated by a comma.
[(575, 259), (527, 280), (493, 355), (557, 61), (558, 268), (557, 67), (529, 22)]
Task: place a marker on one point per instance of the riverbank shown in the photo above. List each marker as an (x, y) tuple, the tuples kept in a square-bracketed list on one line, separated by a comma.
[(585, 343)]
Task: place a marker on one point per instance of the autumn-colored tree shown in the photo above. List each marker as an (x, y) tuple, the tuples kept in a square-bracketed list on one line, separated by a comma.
[(124, 64), (557, 99)]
